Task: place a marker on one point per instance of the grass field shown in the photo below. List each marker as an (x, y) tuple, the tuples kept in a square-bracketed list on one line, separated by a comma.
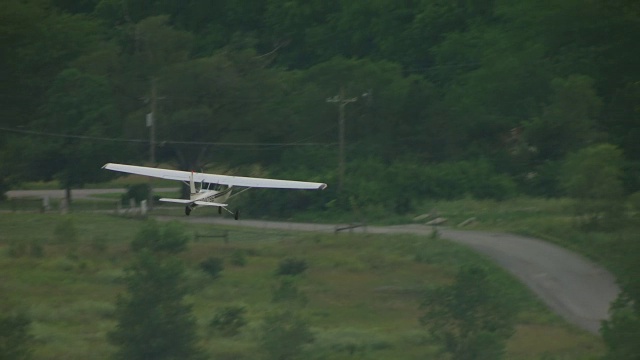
[(361, 291)]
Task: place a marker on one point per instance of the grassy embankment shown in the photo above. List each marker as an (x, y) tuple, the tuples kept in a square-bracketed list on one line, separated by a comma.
[(363, 291)]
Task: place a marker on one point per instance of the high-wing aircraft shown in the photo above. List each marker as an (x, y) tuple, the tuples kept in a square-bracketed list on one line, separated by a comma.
[(214, 189)]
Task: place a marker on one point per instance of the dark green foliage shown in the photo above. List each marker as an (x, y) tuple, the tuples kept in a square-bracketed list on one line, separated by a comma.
[(137, 192), (238, 258), (437, 85), (471, 318), (622, 331), (153, 321), (16, 341), (229, 320), (65, 232), (36, 249), (212, 266), (99, 244), (17, 249), (592, 176), (283, 336), (156, 237), (287, 291), (291, 266), (634, 201)]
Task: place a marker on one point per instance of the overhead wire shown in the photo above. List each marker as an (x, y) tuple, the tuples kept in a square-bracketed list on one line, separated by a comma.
[(176, 142)]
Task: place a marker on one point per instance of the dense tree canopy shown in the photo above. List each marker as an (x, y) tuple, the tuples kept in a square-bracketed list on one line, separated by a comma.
[(515, 84)]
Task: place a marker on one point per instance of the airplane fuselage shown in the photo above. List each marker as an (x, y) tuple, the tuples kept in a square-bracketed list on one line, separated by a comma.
[(217, 196)]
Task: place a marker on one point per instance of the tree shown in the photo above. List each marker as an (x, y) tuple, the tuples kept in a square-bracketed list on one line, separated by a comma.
[(283, 336), (160, 238), (153, 320), (228, 320), (622, 330), (15, 339), (76, 118), (592, 176), (569, 121), (471, 318)]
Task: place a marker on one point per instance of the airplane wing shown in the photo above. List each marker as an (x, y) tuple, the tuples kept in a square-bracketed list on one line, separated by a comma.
[(214, 178)]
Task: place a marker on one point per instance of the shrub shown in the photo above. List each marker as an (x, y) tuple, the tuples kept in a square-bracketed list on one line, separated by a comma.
[(212, 266), (284, 335), (229, 320), (291, 266), (16, 341), (17, 249), (36, 249), (99, 244), (137, 192), (592, 176), (65, 232), (238, 258), (166, 238), (287, 291), (634, 201)]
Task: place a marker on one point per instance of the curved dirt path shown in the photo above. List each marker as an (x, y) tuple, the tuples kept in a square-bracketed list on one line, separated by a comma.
[(569, 284)]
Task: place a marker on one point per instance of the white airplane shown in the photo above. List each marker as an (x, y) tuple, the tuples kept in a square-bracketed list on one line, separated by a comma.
[(215, 189)]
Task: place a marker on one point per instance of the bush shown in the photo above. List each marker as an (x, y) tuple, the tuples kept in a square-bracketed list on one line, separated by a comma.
[(229, 320), (593, 177), (284, 336), (212, 266), (238, 258), (137, 192), (290, 266), (36, 249), (166, 238), (17, 249), (634, 201), (287, 291), (16, 341), (65, 232), (99, 244)]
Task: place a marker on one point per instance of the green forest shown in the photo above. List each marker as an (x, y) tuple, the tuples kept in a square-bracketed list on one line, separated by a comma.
[(440, 99), (393, 103)]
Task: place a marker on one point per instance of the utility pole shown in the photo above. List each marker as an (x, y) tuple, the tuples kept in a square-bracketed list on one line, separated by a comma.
[(151, 124), (342, 102)]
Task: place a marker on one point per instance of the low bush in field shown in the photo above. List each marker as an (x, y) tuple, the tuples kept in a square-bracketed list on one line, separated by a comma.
[(212, 266), (228, 320), (290, 266)]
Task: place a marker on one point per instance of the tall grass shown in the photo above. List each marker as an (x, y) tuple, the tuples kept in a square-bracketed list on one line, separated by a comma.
[(362, 291)]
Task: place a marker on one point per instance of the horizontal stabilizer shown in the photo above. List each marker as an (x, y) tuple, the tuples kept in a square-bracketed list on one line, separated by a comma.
[(206, 203), (179, 201)]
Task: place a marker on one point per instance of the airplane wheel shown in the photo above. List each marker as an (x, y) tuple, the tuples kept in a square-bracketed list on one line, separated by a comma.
[(237, 215), (219, 210), (187, 210)]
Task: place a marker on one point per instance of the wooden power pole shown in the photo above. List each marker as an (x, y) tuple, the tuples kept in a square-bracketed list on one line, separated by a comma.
[(342, 102)]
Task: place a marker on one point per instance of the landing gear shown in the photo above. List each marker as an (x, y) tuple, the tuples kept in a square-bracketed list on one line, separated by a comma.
[(219, 210), (236, 215), (187, 210)]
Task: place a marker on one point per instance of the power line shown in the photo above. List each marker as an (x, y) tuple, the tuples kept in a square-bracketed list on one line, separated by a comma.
[(175, 142)]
